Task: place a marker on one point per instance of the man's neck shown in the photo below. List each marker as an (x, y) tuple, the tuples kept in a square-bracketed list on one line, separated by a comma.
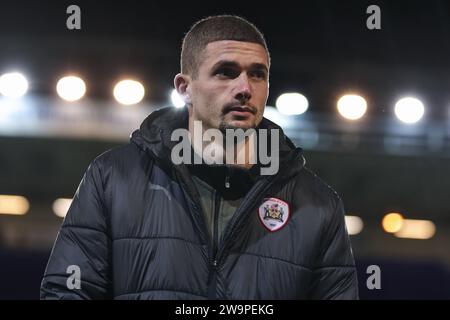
[(204, 145)]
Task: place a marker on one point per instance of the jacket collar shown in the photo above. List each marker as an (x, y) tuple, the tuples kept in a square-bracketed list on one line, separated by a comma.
[(154, 137)]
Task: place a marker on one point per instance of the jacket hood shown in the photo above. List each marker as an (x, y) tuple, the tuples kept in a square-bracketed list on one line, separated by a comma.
[(154, 136)]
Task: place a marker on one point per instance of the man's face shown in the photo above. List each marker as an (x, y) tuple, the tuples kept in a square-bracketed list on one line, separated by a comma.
[(232, 85)]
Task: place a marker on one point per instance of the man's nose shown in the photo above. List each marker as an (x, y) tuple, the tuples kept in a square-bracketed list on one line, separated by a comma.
[(243, 91)]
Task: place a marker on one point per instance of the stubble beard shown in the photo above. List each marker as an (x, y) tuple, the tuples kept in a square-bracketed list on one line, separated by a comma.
[(224, 125)]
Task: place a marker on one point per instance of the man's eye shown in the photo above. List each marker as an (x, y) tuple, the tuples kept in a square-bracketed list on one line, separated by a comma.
[(226, 73), (259, 75)]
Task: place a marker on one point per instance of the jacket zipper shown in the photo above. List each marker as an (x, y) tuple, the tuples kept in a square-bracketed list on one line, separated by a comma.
[(227, 181), (250, 201), (217, 253), (215, 237)]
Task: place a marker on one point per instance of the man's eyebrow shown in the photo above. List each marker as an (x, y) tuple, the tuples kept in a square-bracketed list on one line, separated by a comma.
[(225, 63), (233, 64), (259, 66)]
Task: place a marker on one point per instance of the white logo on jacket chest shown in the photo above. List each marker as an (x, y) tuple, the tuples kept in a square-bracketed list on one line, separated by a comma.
[(273, 213)]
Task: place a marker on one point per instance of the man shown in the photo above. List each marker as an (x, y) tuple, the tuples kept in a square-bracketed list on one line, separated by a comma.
[(144, 227)]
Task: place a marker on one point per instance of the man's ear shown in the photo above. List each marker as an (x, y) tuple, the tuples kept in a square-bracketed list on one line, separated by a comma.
[(182, 83)]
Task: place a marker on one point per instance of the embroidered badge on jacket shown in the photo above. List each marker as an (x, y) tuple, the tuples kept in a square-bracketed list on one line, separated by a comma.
[(274, 213)]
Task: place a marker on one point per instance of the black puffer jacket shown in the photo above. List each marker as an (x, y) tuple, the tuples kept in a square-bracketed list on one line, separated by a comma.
[(136, 231)]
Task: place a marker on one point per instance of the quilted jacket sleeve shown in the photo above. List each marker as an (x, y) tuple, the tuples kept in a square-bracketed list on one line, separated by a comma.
[(335, 275), (79, 264)]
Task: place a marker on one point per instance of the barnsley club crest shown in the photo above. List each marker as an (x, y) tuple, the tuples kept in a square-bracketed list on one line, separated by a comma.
[(274, 213)]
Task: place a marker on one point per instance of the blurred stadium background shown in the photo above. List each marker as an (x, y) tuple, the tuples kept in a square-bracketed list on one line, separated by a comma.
[(389, 160)]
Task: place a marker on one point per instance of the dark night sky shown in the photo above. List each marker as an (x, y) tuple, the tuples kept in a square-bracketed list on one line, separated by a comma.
[(319, 48)]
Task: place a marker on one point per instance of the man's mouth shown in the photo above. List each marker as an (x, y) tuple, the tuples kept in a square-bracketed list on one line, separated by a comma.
[(240, 110)]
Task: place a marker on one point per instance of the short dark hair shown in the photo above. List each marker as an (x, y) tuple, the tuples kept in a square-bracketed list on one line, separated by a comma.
[(216, 28)]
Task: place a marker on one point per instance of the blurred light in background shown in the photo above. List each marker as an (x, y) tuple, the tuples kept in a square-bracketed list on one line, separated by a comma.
[(354, 224), (8, 107), (292, 103), (13, 85), (408, 228), (177, 100), (71, 88), (129, 92), (61, 206), (416, 229), (392, 222), (15, 205), (352, 107), (409, 110), (274, 115)]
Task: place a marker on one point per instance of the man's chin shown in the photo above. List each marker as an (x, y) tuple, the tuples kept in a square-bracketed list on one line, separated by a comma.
[(237, 124)]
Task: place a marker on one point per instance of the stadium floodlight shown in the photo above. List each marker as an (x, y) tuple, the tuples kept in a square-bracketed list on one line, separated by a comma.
[(13, 204), (71, 88), (354, 224), (292, 103), (129, 92), (177, 100), (13, 85), (409, 110), (352, 107), (416, 229), (61, 206), (392, 222)]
